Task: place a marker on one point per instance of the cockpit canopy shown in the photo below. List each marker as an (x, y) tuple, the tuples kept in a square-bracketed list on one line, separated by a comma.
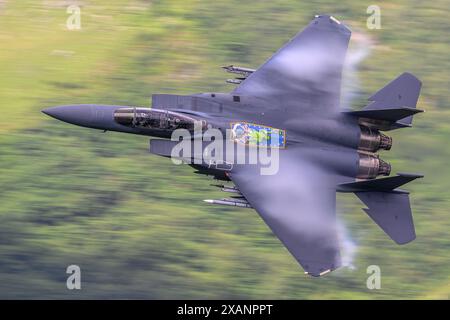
[(146, 118)]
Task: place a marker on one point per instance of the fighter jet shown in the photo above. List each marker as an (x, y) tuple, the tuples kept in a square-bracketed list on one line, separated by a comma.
[(289, 106)]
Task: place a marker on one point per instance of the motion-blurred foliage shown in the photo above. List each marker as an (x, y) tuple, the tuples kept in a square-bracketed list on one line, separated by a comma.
[(135, 223)]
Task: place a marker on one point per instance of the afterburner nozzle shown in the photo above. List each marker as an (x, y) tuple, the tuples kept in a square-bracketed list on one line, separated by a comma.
[(385, 142), (371, 166), (384, 168), (372, 140)]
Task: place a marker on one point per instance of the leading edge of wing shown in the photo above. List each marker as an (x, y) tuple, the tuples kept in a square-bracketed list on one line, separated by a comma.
[(298, 204), (305, 71)]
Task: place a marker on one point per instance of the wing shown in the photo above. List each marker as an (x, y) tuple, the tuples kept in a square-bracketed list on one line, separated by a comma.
[(298, 204), (306, 72)]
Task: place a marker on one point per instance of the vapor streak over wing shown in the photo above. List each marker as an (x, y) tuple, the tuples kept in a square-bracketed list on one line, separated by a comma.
[(305, 74), (298, 204)]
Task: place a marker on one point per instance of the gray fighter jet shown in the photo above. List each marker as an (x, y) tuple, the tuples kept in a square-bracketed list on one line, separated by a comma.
[(291, 105)]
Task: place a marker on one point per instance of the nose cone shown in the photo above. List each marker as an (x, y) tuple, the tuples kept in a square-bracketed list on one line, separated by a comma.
[(95, 116), (81, 115)]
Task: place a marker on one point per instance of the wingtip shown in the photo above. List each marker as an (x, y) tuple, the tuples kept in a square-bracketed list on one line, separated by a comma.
[(412, 175), (332, 19), (320, 274), (404, 241)]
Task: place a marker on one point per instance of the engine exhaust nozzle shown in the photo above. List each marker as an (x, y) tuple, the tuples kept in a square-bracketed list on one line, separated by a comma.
[(372, 140), (371, 166)]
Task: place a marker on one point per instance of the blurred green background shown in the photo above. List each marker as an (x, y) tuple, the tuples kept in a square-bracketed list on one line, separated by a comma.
[(135, 223)]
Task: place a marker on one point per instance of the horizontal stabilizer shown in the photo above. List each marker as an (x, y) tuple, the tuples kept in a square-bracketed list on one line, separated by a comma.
[(390, 114), (383, 184), (394, 105), (392, 212)]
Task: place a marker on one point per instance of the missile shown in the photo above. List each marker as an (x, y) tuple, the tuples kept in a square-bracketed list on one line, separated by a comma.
[(231, 190), (239, 70), (243, 72), (225, 188), (234, 81), (236, 199), (242, 203)]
